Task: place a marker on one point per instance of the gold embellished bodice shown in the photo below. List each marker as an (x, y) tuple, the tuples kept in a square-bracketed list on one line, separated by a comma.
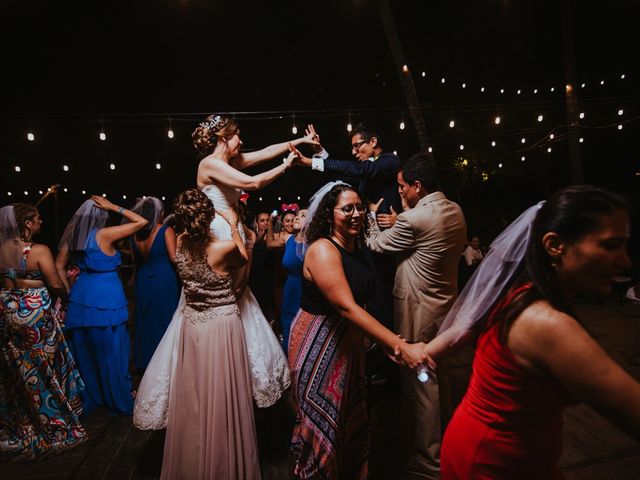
[(203, 288)]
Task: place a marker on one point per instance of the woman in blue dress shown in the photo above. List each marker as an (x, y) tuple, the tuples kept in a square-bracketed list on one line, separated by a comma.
[(96, 322), (157, 287), (292, 260)]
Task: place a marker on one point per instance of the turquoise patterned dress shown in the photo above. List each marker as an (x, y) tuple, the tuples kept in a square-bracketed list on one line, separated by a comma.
[(39, 383)]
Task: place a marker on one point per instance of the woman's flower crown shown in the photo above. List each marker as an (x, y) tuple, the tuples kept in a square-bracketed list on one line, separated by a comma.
[(215, 124)]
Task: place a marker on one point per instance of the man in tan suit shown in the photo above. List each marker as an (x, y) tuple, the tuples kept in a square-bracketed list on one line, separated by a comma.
[(428, 239)]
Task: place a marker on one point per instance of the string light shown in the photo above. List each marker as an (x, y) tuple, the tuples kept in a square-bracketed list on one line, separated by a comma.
[(601, 82), (84, 192), (502, 90), (163, 198), (294, 129), (430, 149), (464, 85), (583, 85), (104, 195), (581, 140), (349, 127), (499, 165), (519, 91), (405, 69), (620, 112), (620, 127), (66, 189), (442, 80), (482, 89), (549, 150), (9, 194), (581, 115), (158, 166), (124, 197), (551, 136), (523, 158), (170, 133), (540, 118), (279, 199), (17, 168), (493, 143), (395, 152), (30, 136), (452, 123), (424, 74), (552, 89), (298, 197), (26, 193), (259, 199), (103, 136), (112, 166), (497, 120), (461, 147), (622, 76), (40, 192), (523, 140), (65, 168), (535, 90), (401, 125)]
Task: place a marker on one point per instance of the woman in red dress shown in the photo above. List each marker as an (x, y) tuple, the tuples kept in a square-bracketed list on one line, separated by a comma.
[(533, 356)]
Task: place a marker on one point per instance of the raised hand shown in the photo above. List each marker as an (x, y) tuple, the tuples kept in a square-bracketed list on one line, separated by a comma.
[(103, 204), (373, 207), (310, 132), (298, 157)]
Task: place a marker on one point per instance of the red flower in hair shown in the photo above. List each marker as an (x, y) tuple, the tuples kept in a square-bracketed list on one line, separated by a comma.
[(244, 196)]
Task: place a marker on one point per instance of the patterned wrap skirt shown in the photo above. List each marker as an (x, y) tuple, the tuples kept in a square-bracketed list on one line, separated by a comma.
[(331, 434), (39, 383)]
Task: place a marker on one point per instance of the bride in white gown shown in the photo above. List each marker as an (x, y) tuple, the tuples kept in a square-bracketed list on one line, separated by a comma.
[(220, 178)]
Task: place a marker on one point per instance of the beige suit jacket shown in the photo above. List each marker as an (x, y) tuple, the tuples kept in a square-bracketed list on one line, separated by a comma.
[(428, 241)]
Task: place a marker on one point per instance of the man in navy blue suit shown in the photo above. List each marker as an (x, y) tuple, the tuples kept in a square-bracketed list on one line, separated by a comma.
[(374, 174)]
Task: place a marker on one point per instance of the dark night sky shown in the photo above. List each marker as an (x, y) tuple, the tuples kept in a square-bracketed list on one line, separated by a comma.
[(66, 65)]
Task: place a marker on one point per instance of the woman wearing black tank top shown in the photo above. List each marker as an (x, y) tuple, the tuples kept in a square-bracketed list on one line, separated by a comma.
[(331, 435)]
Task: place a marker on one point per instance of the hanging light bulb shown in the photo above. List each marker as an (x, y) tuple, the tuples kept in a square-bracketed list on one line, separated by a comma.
[(84, 192), (40, 192), (424, 74), (30, 136), (620, 127), (540, 118), (499, 165), (581, 140), (103, 136), (535, 90), (551, 136), (430, 149), (523, 158), (395, 152), (124, 197), (170, 133), (482, 89), (493, 143), (519, 92), (549, 150), (259, 199), (294, 129), (163, 198), (583, 85), (523, 140), (349, 127), (601, 82), (158, 166), (622, 76), (497, 120), (620, 112), (65, 189), (17, 168), (452, 124), (405, 68), (581, 115), (464, 85), (104, 195), (552, 89), (279, 199), (442, 80), (401, 125), (112, 166), (9, 194), (26, 193), (502, 90), (461, 147), (65, 168)]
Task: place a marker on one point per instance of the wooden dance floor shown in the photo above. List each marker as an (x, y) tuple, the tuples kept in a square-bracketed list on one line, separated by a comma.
[(594, 449)]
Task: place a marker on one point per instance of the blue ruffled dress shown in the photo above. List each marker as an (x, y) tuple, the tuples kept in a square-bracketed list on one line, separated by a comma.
[(96, 330)]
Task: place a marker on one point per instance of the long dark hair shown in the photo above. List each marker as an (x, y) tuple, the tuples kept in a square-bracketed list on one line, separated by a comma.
[(321, 224), (572, 213)]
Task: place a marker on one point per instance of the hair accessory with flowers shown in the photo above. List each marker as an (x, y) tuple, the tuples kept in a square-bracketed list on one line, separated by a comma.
[(215, 124), (244, 196)]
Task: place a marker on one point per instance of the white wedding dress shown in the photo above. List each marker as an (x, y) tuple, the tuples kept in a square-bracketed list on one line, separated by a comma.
[(268, 363)]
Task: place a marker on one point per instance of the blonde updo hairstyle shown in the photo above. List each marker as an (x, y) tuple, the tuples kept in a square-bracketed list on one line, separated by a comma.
[(193, 212), (206, 135)]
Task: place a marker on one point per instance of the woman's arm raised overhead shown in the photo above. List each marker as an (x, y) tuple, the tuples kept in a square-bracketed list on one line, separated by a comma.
[(214, 169)]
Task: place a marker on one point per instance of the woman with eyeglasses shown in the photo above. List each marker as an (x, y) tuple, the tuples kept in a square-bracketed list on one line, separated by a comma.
[(326, 346)]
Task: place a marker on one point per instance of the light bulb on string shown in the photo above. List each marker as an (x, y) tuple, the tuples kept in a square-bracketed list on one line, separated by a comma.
[(620, 127), (65, 168), (84, 192), (103, 136), (443, 80), (170, 133), (17, 168), (620, 112), (30, 136), (523, 140), (430, 149), (551, 136), (622, 76), (294, 129), (482, 89), (104, 195), (163, 198), (298, 197), (601, 82), (493, 143), (540, 118), (497, 120), (158, 166), (535, 90), (349, 127), (552, 89), (461, 147), (395, 152), (581, 140), (9, 194), (519, 92), (464, 85), (581, 115), (424, 74), (26, 193), (523, 158), (259, 199), (499, 165), (402, 125), (124, 197), (502, 90), (112, 166), (452, 123), (65, 189), (549, 150), (583, 85), (405, 68), (40, 192)]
